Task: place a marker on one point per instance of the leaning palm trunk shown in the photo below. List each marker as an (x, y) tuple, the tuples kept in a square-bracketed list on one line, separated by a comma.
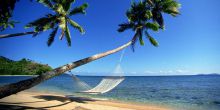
[(26, 84), (16, 34)]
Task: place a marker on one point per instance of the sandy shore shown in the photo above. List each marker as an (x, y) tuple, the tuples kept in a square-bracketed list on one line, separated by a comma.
[(42, 101)]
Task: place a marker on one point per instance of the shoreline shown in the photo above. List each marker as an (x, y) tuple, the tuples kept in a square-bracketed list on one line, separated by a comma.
[(39, 100)]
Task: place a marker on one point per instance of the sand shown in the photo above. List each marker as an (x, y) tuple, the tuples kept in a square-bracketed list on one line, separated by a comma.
[(42, 101)]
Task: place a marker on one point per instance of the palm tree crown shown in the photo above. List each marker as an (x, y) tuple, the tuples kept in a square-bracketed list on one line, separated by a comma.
[(59, 20), (145, 15)]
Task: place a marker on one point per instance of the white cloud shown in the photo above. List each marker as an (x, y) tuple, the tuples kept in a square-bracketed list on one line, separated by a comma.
[(181, 71), (149, 72), (166, 72)]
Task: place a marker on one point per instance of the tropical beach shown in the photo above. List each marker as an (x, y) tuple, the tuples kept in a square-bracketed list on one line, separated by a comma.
[(198, 92), (109, 55), (60, 102)]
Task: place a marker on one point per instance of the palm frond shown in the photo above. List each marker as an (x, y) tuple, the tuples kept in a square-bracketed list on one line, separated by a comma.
[(79, 10), (134, 40), (158, 17), (67, 4), (172, 11), (57, 1), (68, 36), (52, 36), (125, 26), (148, 14), (46, 3), (139, 11), (141, 40), (58, 8), (170, 7), (131, 16), (6, 12), (151, 39), (153, 26), (140, 37), (58, 20), (62, 34), (169, 3), (76, 25), (43, 24)]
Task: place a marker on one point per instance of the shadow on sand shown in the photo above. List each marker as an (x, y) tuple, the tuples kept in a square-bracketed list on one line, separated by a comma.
[(64, 99)]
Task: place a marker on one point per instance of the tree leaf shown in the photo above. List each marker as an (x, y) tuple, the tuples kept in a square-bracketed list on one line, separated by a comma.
[(52, 36), (46, 3), (157, 17), (125, 26), (141, 40), (79, 10), (134, 40), (67, 4), (68, 36), (152, 40), (148, 14), (77, 26), (152, 26), (43, 23)]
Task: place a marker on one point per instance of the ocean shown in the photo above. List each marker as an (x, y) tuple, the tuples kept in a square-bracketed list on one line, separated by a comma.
[(198, 92)]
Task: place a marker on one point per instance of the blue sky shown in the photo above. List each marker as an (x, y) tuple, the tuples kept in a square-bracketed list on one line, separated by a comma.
[(188, 45)]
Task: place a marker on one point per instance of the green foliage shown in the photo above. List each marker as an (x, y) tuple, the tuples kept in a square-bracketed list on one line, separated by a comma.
[(68, 36), (52, 36), (43, 23), (141, 40), (22, 67), (152, 40), (152, 26), (147, 14), (79, 10), (60, 19), (164, 6), (76, 26), (6, 10), (125, 26)]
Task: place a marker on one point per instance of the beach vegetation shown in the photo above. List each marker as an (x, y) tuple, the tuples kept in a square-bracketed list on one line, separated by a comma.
[(58, 19), (22, 67), (147, 15)]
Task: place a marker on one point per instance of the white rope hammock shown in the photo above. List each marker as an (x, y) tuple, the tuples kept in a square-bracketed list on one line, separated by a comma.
[(106, 84)]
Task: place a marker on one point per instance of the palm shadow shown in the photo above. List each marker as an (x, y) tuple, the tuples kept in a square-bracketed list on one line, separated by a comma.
[(8, 106), (64, 99), (70, 98), (21, 102)]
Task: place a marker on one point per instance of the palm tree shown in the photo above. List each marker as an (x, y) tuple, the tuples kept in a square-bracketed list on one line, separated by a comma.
[(59, 20), (147, 15), (6, 11), (139, 17)]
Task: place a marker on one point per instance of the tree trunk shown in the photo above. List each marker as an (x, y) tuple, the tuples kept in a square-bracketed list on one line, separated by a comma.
[(13, 88), (16, 34)]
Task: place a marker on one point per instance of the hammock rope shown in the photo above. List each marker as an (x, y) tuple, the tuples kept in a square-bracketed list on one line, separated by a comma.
[(106, 84)]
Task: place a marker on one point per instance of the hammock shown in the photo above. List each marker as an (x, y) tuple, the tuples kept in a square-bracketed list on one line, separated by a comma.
[(106, 84), (83, 85)]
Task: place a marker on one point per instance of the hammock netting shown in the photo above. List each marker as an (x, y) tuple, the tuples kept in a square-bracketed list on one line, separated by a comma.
[(106, 84)]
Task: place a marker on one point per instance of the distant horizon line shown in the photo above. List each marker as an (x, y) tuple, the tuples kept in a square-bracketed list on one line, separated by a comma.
[(212, 74)]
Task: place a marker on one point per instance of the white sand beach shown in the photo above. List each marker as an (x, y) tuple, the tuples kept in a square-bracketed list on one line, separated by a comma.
[(36, 100)]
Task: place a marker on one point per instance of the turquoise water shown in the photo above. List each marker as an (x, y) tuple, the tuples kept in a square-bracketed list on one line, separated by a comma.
[(179, 92)]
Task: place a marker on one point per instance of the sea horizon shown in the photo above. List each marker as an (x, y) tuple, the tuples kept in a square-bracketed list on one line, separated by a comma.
[(200, 74)]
